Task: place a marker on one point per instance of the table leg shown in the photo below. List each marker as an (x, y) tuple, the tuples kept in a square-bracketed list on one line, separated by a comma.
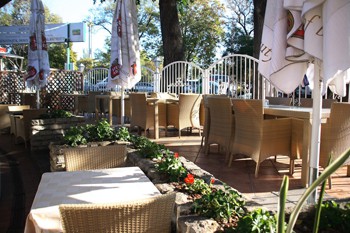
[(306, 153), (156, 121), (110, 111), (96, 108)]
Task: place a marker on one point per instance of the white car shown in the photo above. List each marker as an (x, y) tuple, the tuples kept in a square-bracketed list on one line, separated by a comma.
[(102, 86)]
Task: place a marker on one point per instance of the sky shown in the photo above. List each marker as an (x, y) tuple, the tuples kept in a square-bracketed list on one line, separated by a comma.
[(75, 11)]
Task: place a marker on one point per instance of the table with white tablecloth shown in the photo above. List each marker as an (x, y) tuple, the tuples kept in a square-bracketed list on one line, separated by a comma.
[(83, 187)]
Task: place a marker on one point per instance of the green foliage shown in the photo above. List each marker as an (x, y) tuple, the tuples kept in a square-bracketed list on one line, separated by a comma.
[(147, 148), (334, 217), (102, 131), (74, 136), (123, 134), (57, 113), (324, 176), (80, 135), (171, 166), (258, 221), (221, 205), (202, 30), (199, 186)]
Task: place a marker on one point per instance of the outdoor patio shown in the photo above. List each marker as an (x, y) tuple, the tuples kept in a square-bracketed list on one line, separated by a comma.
[(21, 171)]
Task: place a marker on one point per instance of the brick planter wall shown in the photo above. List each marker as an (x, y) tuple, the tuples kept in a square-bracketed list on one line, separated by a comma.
[(45, 131)]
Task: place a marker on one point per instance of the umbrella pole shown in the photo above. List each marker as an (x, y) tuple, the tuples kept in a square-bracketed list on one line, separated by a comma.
[(37, 97), (316, 129), (122, 107)]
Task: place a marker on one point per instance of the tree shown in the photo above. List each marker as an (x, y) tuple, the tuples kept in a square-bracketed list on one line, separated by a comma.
[(170, 28), (202, 30), (239, 38), (259, 15)]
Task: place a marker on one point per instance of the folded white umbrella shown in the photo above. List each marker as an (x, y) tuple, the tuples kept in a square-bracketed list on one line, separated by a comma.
[(38, 59), (125, 68)]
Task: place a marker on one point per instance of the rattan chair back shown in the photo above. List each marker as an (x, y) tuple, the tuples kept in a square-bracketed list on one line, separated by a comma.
[(151, 215), (256, 137), (96, 157)]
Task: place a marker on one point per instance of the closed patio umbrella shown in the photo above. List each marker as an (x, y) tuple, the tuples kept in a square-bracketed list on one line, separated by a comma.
[(125, 68), (38, 59), (313, 35)]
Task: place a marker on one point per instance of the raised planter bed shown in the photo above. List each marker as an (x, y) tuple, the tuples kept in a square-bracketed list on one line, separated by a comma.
[(49, 130)]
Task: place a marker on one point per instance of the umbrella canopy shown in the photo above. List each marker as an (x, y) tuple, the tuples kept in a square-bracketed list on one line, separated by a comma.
[(125, 68), (313, 34), (38, 58)]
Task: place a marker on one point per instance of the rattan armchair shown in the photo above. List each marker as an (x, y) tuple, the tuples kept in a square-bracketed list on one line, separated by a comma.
[(221, 121), (142, 112), (335, 134), (97, 157), (24, 124), (151, 215), (256, 137), (185, 112)]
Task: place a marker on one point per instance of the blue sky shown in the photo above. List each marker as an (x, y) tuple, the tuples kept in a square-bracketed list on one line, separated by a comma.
[(73, 11)]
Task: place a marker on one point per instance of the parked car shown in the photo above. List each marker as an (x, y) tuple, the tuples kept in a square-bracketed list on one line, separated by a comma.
[(102, 86), (143, 87)]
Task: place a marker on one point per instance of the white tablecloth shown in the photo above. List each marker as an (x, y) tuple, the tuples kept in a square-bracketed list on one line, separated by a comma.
[(79, 187)]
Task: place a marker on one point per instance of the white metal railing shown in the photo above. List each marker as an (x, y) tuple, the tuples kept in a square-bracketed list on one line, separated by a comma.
[(234, 75)]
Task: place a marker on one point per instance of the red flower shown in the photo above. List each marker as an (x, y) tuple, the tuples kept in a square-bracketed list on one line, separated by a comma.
[(176, 155), (212, 180), (189, 179)]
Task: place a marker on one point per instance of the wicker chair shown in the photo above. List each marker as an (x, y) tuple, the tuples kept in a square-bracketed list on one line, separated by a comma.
[(185, 113), (152, 215), (256, 137), (335, 134), (142, 112), (88, 158), (14, 108), (24, 124), (206, 124), (221, 131)]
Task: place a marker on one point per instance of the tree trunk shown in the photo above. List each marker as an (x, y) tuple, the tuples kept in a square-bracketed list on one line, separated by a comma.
[(259, 15), (171, 33)]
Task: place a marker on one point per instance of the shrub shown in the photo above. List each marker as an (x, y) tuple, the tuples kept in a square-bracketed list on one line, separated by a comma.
[(171, 166), (81, 135), (221, 205)]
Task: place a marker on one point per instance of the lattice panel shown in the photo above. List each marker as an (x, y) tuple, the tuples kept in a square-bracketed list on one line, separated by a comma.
[(61, 81), (11, 83)]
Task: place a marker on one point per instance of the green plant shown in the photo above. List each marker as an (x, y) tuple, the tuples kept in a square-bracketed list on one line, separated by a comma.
[(334, 217), (257, 221), (196, 186), (171, 166), (101, 131), (80, 135), (324, 175), (74, 136), (149, 149), (123, 134), (56, 113), (221, 205)]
